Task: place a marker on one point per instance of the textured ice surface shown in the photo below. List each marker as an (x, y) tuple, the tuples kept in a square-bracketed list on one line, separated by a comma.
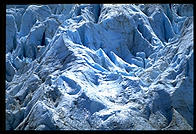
[(99, 67)]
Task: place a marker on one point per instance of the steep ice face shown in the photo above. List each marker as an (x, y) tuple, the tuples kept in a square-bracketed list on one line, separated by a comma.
[(99, 67), (11, 30)]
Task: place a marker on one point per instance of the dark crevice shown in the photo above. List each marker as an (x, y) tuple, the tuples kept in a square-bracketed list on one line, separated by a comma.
[(170, 6), (177, 12), (43, 42), (34, 53), (169, 12), (78, 11), (55, 11), (174, 83), (97, 13), (24, 54)]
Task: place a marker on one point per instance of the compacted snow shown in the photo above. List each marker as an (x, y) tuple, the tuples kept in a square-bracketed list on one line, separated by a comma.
[(99, 67)]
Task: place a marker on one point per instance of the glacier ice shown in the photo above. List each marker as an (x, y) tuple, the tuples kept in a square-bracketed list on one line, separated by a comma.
[(11, 30), (99, 67)]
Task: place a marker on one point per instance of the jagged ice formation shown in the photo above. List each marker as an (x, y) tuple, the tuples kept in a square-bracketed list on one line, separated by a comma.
[(99, 67)]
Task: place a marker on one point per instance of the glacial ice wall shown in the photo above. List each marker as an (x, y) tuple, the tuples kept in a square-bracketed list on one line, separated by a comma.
[(99, 67)]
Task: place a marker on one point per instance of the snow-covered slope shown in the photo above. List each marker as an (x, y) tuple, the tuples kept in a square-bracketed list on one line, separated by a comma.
[(99, 66)]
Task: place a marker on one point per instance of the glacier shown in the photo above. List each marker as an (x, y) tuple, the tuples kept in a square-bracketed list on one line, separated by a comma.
[(99, 67)]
